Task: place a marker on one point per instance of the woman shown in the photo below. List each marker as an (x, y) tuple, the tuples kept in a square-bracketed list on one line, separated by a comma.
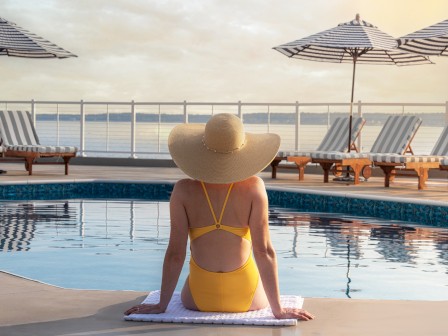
[(224, 210)]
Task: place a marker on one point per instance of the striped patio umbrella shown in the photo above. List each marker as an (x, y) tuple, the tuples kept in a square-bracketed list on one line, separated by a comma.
[(18, 42), (432, 40), (354, 42)]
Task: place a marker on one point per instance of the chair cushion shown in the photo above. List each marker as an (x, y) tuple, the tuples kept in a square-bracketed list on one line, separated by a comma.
[(336, 138), (338, 155), (396, 134), (441, 147), (376, 157), (16, 128), (394, 138), (43, 149), (294, 153)]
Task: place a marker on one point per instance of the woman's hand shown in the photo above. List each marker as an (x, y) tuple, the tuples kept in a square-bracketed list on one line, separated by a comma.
[(145, 309), (294, 313)]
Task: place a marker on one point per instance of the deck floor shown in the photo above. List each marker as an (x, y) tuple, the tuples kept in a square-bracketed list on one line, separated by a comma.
[(31, 308)]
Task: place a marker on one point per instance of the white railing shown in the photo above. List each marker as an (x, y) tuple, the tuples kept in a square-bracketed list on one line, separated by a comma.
[(140, 129)]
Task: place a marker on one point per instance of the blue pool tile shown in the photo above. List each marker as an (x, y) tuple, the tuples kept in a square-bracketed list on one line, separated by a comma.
[(410, 212)]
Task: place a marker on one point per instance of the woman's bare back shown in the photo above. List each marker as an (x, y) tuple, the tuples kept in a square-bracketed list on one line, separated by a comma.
[(218, 250)]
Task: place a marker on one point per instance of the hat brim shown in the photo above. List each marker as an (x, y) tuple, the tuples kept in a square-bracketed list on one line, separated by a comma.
[(197, 161)]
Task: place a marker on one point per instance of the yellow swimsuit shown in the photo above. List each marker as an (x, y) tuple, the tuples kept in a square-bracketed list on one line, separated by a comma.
[(223, 291)]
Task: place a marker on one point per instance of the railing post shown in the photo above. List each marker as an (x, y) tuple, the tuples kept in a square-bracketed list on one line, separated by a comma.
[(133, 119), (239, 110), (158, 130), (185, 112), (58, 124), (297, 131), (269, 118), (446, 112), (359, 141), (33, 112), (82, 129), (107, 127)]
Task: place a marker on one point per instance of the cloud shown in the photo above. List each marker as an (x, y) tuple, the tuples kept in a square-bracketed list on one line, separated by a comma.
[(209, 50)]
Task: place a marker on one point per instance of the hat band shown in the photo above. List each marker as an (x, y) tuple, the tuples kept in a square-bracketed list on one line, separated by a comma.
[(216, 151)]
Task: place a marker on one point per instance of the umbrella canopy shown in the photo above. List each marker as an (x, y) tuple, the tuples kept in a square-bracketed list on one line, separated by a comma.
[(432, 40), (18, 42), (354, 42)]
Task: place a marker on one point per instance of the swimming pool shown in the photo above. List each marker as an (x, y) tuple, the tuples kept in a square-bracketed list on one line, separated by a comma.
[(120, 244)]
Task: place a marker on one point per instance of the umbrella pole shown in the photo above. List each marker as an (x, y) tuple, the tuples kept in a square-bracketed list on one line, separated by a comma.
[(351, 105), (350, 119)]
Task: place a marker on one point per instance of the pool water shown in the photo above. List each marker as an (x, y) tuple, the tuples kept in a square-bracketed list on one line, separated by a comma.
[(120, 245)]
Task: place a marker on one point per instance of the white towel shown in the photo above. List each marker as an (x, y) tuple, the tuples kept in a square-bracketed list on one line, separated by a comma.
[(177, 313)]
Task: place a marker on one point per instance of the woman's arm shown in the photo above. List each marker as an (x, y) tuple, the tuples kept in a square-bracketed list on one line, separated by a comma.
[(265, 255), (174, 256)]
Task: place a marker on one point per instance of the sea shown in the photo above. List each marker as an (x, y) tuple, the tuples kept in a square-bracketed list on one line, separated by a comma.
[(115, 139)]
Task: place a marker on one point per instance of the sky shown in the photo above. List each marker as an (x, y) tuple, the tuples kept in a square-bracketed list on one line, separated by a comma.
[(211, 51)]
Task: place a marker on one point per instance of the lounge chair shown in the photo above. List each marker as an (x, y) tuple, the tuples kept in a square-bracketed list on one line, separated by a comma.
[(395, 138), (335, 139), (417, 163), (19, 140)]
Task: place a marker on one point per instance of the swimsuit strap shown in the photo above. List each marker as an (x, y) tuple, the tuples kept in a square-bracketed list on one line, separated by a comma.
[(217, 222)]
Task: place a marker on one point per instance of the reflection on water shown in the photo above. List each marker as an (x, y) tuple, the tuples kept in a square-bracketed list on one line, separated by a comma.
[(393, 244), (119, 245), (395, 241), (19, 220), (382, 249)]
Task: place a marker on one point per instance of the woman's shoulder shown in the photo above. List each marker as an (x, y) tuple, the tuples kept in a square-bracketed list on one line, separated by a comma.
[(185, 182), (253, 181), (185, 185), (253, 186)]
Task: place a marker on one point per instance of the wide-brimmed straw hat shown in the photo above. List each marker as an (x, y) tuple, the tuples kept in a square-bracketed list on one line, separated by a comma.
[(220, 151)]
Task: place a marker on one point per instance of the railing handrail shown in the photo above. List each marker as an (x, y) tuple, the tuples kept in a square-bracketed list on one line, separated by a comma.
[(193, 103)]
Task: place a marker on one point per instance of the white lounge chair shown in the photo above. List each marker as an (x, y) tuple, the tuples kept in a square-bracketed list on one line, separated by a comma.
[(336, 139), (19, 140), (417, 163), (395, 138)]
